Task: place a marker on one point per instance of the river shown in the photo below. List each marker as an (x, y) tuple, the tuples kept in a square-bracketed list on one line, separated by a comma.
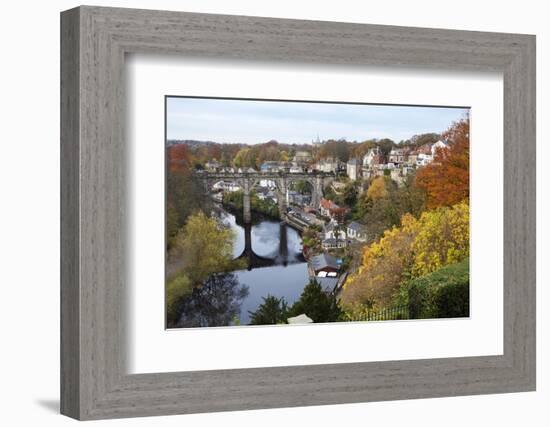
[(281, 281)]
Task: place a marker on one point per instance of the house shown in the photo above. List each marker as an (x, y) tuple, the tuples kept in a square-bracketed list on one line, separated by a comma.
[(332, 210), (325, 268), (373, 161), (334, 237), (324, 264), (397, 156), (353, 169), (296, 169), (302, 157), (212, 165), (357, 231), (271, 166), (226, 186), (333, 231), (328, 165), (262, 192), (333, 244), (437, 146), (424, 154)]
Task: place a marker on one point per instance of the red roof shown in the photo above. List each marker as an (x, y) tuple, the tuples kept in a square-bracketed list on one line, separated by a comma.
[(328, 204)]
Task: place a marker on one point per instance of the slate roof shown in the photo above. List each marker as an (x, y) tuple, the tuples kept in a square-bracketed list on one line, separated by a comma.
[(324, 260), (356, 226), (327, 283)]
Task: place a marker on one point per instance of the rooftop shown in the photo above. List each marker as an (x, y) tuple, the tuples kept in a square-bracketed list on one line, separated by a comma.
[(356, 226), (324, 260)]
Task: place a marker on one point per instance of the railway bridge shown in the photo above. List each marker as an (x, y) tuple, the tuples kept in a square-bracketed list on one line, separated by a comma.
[(282, 180)]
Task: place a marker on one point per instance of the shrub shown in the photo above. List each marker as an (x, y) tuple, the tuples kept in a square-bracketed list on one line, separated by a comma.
[(443, 293)]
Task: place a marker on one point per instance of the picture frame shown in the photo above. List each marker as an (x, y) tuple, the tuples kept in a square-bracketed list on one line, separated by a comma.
[(94, 268)]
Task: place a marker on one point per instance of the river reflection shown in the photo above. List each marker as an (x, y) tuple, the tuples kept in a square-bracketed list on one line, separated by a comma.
[(279, 280), (216, 303), (226, 299)]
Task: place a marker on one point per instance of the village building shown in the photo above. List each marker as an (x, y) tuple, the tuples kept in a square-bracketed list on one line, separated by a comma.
[(325, 268), (296, 198), (324, 264), (353, 169), (334, 236), (227, 170), (398, 156), (328, 165), (212, 165), (271, 166), (296, 169), (372, 161), (332, 210), (439, 145), (357, 231), (226, 186)]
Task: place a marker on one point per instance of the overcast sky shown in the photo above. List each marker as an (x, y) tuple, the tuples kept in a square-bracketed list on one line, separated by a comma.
[(253, 122)]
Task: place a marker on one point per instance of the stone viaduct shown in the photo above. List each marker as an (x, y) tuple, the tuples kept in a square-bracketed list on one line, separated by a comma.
[(282, 180)]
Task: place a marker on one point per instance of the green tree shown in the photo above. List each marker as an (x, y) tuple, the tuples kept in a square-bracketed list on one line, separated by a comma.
[(443, 293), (349, 194), (271, 312), (177, 288), (317, 304), (204, 247)]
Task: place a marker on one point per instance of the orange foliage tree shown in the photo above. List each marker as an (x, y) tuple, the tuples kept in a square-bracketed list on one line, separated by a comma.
[(179, 158), (447, 179)]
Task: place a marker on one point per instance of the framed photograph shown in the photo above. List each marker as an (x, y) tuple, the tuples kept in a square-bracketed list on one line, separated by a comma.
[(262, 213)]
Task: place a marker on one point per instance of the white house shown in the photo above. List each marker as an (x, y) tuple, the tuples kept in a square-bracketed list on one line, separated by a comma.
[(212, 165), (328, 165), (228, 186), (439, 145), (332, 231), (353, 169), (357, 231)]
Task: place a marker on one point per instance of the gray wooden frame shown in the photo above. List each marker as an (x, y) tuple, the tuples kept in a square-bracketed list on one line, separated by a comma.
[(94, 41)]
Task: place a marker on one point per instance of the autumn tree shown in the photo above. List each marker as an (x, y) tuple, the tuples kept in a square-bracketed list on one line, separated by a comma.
[(203, 247), (180, 158), (184, 190), (416, 248), (384, 203), (383, 267), (447, 179), (378, 188)]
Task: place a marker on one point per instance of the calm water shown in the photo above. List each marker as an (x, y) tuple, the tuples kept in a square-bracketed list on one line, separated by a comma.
[(279, 280)]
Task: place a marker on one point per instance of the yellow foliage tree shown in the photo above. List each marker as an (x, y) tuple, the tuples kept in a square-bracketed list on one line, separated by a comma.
[(377, 189), (443, 238), (416, 248), (204, 247)]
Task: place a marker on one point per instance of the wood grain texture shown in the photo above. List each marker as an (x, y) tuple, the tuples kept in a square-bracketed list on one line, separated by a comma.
[(94, 236), (70, 297)]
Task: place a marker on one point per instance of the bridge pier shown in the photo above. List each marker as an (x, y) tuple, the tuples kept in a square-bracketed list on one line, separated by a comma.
[(283, 245), (317, 192), (247, 217), (281, 198)]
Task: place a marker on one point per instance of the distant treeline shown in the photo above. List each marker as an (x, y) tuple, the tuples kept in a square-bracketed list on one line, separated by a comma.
[(248, 155)]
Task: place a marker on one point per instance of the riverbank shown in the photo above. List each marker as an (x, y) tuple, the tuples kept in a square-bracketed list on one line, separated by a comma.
[(266, 207)]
